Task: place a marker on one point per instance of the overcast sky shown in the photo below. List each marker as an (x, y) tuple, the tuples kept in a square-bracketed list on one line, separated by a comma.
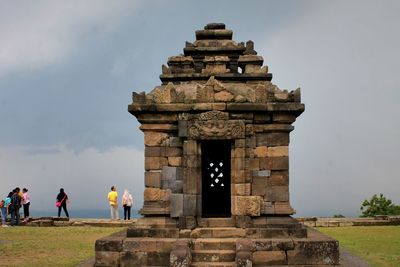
[(68, 68)]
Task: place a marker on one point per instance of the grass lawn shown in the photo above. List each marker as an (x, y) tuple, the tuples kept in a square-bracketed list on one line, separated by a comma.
[(378, 245), (49, 246)]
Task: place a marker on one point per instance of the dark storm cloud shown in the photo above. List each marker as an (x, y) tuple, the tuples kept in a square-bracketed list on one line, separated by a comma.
[(81, 98)]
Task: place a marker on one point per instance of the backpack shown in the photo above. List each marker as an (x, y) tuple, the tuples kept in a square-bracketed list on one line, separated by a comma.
[(16, 200), (1, 204)]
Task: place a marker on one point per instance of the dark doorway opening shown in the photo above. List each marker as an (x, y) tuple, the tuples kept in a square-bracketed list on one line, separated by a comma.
[(216, 178)]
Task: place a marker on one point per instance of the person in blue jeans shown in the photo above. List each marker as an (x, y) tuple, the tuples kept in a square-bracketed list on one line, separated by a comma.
[(4, 210), (15, 206)]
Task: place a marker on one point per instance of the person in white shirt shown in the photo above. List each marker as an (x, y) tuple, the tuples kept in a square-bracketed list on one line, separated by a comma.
[(127, 203)]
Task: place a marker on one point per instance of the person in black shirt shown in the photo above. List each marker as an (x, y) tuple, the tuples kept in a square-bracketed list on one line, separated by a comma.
[(62, 197)]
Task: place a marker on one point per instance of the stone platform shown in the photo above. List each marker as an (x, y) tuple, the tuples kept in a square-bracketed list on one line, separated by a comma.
[(217, 242)]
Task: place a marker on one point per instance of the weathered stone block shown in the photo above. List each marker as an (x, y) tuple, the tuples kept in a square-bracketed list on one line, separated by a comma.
[(223, 96), (152, 179), (175, 142), (164, 94), (251, 142), (133, 244), (277, 193), (192, 161), (244, 259), (249, 153), (246, 205), (263, 173), (158, 127), (154, 151), (189, 205), (173, 152), (241, 116), (278, 151), (180, 256), (204, 93), (154, 138), (238, 163), (244, 245), (262, 118), (107, 258), (240, 143), (281, 96), (249, 130), (157, 258), (283, 208), (182, 128), (238, 152), (259, 186), (110, 243), (160, 118), (274, 163), (247, 176), (177, 187), (261, 151), (190, 146), (238, 176), (155, 163), (241, 189), (168, 173), (253, 164), (179, 173), (269, 258), (190, 222), (267, 207), (174, 161), (156, 194), (283, 118), (243, 221), (128, 258), (176, 205), (276, 180), (191, 181), (272, 139), (314, 252)]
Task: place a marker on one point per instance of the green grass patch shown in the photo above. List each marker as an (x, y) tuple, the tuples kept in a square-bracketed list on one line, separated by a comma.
[(49, 246), (378, 245)]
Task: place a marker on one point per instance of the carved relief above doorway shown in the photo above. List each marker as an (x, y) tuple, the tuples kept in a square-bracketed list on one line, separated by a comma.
[(215, 125)]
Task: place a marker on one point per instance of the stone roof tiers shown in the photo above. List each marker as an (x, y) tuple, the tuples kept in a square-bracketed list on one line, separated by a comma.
[(214, 53), (218, 71)]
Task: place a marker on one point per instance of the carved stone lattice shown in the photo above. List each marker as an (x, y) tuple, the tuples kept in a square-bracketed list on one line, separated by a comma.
[(216, 129)]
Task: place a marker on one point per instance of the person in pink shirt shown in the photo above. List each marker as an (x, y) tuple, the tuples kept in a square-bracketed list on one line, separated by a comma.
[(26, 202)]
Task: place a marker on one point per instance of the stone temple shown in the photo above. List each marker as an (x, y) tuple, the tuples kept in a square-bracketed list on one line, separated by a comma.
[(216, 136)]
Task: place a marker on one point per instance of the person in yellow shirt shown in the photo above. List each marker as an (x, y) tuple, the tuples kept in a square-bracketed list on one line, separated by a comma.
[(113, 200)]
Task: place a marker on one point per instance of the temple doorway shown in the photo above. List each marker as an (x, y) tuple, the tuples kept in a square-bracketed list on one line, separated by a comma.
[(216, 178)]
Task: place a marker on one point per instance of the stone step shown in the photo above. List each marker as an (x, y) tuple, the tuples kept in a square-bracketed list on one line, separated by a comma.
[(213, 255), (153, 232), (215, 243), (276, 233), (216, 222), (213, 264), (218, 232)]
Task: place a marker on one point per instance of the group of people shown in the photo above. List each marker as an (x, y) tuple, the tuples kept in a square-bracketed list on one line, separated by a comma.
[(12, 204), (127, 203), (16, 199)]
